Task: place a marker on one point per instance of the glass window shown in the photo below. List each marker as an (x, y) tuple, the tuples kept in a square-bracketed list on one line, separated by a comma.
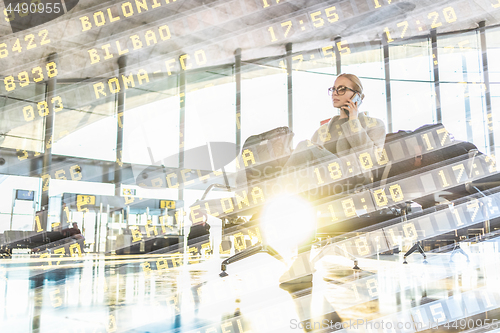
[(84, 129), (21, 126), (459, 58), (210, 107), (412, 87), (211, 113), (311, 102), (493, 45), (411, 61), (313, 73), (495, 107), (462, 91), (364, 61), (463, 113), (264, 99), (151, 123)]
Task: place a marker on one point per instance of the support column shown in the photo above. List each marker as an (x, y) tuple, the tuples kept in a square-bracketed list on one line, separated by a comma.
[(437, 89), (120, 116), (289, 84), (388, 97), (182, 126), (48, 142), (237, 73), (338, 59), (468, 115), (486, 80)]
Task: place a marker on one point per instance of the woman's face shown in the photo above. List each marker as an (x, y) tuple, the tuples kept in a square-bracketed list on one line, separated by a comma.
[(341, 100)]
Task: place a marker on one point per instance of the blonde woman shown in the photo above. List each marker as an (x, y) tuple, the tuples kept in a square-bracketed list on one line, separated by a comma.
[(348, 132), (351, 130)]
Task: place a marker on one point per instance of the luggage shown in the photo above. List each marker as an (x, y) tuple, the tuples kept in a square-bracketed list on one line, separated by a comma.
[(264, 155), (459, 148), (422, 161)]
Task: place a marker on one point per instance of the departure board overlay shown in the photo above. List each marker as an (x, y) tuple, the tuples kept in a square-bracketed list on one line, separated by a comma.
[(203, 165)]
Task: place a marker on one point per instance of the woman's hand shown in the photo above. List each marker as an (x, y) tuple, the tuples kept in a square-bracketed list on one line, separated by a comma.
[(352, 109)]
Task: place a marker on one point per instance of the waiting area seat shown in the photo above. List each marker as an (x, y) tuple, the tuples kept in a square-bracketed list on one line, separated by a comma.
[(427, 167)]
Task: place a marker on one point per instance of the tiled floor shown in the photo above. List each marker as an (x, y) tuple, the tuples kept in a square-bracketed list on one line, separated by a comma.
[(124, 294)]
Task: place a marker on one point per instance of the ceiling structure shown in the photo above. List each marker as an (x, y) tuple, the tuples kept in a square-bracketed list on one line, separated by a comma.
[(89, 38)]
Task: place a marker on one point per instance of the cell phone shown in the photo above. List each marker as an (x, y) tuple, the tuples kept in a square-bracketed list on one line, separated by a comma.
[(355, 98)]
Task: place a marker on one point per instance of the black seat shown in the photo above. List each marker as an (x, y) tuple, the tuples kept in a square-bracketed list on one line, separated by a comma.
[(422, 150)]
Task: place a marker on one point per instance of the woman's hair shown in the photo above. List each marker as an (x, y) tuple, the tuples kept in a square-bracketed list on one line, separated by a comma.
[(356, 82)]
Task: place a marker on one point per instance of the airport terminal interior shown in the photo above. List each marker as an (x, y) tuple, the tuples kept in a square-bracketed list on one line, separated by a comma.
[(249, 166)]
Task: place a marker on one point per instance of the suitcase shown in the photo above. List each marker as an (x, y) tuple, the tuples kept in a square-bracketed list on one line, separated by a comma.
[(264, 155)]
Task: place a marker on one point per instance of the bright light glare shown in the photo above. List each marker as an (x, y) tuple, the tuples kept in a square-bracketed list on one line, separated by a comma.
[(287, 221)]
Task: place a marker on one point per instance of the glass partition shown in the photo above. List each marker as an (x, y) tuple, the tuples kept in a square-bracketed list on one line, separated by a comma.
[(151, 123), (264, 98), (462, 89), (211, 117), (412, 88), (493, 52), (21, 127), (82, 128), (311, 102)]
